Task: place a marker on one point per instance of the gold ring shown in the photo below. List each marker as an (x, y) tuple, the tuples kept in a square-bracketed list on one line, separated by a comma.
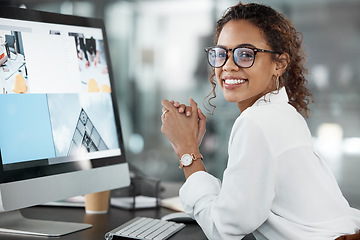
[(163, 114)]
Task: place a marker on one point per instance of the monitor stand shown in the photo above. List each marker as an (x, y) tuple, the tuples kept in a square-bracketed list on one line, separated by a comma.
[(14, 222)]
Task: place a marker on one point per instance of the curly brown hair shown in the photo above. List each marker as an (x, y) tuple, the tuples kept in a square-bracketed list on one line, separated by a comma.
[(281, 36)]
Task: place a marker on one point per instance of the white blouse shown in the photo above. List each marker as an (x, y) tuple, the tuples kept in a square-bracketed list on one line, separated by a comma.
[(274, 186)]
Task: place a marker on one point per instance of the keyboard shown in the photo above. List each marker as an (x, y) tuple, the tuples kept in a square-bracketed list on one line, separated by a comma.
[(145, 228)]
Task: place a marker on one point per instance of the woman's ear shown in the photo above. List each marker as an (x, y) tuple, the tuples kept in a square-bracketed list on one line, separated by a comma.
[(282, 63)]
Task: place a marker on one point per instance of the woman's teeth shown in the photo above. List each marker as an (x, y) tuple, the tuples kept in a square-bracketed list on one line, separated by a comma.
[(234, 81)]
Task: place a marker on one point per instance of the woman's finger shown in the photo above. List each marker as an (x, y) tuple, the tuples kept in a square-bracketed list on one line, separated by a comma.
[(168, 105), (188, 111), (175, 104), (193, 105), (182, 108), (202, 126)]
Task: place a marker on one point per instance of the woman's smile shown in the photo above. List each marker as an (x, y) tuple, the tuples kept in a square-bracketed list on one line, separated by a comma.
[(230, 83)]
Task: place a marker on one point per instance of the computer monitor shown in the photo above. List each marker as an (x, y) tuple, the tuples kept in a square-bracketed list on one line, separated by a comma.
[(60, 133), (10, 40)]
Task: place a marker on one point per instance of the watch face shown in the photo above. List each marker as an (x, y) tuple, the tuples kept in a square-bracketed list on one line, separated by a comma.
[(186, 160)]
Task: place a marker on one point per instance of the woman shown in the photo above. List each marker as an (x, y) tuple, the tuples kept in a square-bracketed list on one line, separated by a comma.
[(274, 185), (3, 55)]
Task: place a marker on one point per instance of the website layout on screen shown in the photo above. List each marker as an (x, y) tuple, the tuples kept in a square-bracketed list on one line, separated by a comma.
[(55, 94)]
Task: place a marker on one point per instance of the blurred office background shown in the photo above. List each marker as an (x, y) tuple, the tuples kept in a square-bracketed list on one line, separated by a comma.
[(157, 52)]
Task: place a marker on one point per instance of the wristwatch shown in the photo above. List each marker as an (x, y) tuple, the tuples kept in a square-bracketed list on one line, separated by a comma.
[(187, 159)]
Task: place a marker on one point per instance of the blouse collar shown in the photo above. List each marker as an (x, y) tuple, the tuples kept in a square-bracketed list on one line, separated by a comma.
[(277, 96)]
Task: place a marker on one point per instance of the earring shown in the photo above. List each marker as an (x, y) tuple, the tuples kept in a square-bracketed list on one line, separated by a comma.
[(277, 82)]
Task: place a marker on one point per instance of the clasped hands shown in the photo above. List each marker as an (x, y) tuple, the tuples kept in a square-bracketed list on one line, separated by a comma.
[(183, 125)]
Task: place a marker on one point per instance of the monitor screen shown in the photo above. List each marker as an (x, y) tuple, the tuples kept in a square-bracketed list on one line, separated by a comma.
[(59, 119), (10, 41)]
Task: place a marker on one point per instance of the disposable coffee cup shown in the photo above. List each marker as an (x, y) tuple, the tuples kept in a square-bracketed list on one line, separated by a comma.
[(97, 203)]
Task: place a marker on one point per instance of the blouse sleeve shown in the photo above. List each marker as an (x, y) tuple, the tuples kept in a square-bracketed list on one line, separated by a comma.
[(242, 202)]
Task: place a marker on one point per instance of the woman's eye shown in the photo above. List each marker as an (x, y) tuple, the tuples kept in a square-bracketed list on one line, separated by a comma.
[(246, 55), (221, 55)]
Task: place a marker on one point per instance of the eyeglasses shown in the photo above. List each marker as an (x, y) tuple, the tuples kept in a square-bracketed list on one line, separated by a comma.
[(244, 57)]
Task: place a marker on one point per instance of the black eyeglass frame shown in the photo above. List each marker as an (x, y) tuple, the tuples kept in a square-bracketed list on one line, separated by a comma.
[(254, 49)]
